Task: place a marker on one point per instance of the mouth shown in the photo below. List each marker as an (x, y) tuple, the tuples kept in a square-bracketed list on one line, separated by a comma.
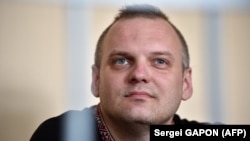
[(139, 95)]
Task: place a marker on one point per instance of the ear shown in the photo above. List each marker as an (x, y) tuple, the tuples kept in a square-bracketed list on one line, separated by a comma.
[(187, 89), (95, 81)]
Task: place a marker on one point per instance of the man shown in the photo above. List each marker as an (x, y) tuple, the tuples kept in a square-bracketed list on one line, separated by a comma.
[(141, 74)]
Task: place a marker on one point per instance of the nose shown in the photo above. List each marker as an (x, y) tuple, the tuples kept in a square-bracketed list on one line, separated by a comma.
[(140, 73)]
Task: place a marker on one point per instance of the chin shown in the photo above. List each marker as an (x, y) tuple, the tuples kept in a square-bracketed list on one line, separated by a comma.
[(146, 117), (142, 114), (141, 118), (144, 122)]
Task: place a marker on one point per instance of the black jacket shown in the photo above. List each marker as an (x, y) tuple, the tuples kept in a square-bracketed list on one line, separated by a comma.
[(77, 126)]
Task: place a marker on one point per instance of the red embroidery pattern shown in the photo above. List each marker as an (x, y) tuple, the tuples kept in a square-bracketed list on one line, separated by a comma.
[(105, 134)]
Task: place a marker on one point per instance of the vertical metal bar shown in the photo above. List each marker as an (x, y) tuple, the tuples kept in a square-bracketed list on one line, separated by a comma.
[(214, 58), (79, 70), (79, 55)]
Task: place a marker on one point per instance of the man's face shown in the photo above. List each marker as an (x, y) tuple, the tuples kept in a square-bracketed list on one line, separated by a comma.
[(141, 78)]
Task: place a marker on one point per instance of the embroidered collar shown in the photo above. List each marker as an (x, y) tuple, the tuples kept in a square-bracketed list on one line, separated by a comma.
[(103, 129)]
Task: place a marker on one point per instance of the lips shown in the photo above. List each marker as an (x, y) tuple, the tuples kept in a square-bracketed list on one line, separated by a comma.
[(139, 94)]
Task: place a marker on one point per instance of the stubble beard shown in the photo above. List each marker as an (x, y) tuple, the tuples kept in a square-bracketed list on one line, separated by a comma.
[(149, 117), (141, 112), (132, 113)]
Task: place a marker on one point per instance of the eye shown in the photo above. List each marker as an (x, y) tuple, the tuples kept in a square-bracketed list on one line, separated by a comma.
[(121, 61), (159, 61)]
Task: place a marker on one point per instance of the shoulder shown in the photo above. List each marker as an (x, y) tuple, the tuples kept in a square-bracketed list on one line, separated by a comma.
[(181, 121), (70, 122)]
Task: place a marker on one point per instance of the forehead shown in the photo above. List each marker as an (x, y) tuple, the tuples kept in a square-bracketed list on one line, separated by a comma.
[(141, 31), (142, 24)]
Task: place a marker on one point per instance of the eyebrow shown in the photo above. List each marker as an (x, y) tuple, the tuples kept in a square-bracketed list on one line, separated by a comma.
[(156, 53), (119, 53), (167, 54), (164, 53)]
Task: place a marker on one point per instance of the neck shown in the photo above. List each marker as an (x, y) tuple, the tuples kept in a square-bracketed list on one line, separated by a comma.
[(121, 130), (124, 131)]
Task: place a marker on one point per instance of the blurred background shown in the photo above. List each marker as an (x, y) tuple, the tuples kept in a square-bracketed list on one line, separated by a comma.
[(47, 48)]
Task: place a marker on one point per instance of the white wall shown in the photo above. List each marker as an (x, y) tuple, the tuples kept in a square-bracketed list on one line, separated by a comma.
[(34, 63)]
